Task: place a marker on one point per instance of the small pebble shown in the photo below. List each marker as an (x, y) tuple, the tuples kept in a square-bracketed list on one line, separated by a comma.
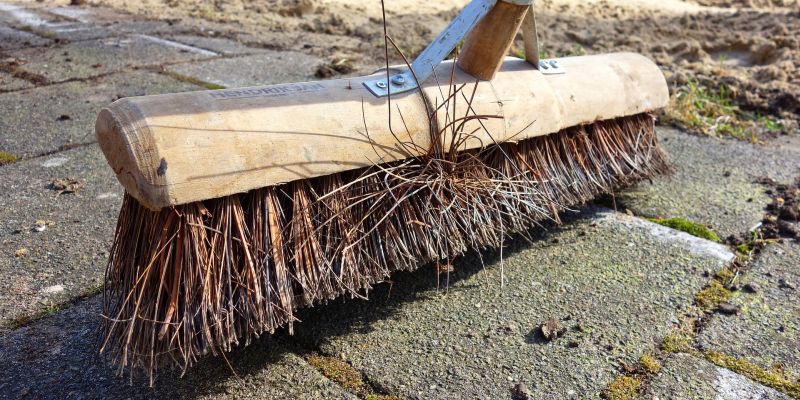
[(520, 392), (40, 225), (551, 329), (784, 284), (728, 309), (752, 287)]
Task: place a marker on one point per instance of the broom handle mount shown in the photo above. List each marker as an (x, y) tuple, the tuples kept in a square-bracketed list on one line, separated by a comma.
[(488, 27)]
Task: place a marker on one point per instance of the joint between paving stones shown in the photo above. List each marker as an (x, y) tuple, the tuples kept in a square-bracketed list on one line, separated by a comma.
[(52, 308), (19, 73), (189, 79), (347, 377), (683, 339)]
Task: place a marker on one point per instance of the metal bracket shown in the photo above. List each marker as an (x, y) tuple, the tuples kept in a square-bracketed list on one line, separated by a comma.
[(448, 39), (551, 67), (435, 53), (530, 37)]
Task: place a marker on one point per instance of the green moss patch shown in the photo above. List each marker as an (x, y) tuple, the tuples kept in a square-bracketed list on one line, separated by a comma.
[(649, 364), (689, 227), (193, 81), (381, 397), (716, 292), (7, 158), (345, 376), (338, 371), (712, 295), (622, 388), (678, 341), (775, 378)]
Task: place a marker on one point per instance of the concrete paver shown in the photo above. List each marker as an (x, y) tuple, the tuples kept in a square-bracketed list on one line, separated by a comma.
[(67, 259), (78, 23), (265, 68), (614, 282), (57, 358), (89, 58), (767, 329), (11, 39), (714, 183), (48, 118), (686, 377)]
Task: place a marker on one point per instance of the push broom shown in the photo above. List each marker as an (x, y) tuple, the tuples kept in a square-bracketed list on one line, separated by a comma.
[(243, 205)]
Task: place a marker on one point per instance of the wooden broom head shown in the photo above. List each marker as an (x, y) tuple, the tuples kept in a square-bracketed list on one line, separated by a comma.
[(180, 148)]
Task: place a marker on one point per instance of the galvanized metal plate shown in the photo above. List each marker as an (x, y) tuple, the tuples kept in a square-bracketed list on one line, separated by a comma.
[(435, 53), (551, 67)]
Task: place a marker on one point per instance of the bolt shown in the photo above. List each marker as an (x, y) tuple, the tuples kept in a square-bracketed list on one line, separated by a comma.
[(398, 80), (381, 84), (543, 65), (554, 63)]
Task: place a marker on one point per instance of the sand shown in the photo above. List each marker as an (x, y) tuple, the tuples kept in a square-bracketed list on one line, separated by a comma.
[(750, 46)]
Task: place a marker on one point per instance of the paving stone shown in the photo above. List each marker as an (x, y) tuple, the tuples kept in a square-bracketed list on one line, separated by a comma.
[(96, 57), (767, 329), (28, 15), (67, 259), (8, 83), (11, 39), (79, 23), (56, 358), (31, 122), (686, 377), (267, 68), (714, 180), (219, 45), (614, 282)]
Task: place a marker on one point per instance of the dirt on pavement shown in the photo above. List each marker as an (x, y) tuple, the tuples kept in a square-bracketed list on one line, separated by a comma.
[(752, 47)]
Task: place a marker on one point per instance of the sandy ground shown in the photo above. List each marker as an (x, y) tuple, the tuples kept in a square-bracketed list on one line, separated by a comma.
[(751, 46)]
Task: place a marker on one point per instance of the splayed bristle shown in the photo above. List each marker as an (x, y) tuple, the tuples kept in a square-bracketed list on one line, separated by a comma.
[(204, 277)]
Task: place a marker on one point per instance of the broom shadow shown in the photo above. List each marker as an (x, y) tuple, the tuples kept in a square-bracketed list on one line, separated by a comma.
[(346, 316)]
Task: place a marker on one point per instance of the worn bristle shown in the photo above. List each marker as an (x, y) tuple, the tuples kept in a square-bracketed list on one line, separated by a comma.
[(204, 277)]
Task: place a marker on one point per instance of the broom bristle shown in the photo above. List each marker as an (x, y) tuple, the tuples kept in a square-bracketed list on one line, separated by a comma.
[(204, 277)]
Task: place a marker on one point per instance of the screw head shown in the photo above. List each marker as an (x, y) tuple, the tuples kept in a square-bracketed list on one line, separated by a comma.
[(398, 80), (381, 84), (554, 63)]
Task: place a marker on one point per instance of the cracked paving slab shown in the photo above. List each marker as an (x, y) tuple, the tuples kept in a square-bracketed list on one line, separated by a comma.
[(57, 358), (89, 58), (48, 118), (615, 283), (714, 183), (265, 68), (686, 377), (67, 258), (767, 329)]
